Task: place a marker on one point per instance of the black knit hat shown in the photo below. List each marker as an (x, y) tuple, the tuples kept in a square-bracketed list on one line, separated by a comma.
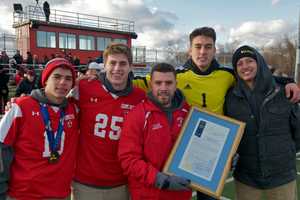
[(243, 51)]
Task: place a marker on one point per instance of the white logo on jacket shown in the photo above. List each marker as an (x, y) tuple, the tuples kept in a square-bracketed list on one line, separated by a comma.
[(69, 117), (35, 113), (126, 106), (94, 100), (180, 121), (156, 126), (69, 123)]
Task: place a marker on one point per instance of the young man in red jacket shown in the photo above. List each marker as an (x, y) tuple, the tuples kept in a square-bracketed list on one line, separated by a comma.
[(42, 130), (103, 105), (148, 135)]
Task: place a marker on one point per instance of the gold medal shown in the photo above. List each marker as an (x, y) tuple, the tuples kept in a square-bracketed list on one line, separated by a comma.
[(54, 156)]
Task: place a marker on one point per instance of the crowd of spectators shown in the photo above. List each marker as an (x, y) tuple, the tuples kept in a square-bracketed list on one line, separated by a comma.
[(24, 72)]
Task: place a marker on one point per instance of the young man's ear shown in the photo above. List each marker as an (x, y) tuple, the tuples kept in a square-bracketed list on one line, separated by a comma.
[(46, 83), (190, 51)]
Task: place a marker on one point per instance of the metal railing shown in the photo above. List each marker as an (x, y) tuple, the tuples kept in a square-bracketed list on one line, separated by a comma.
[(11, 71), (73, 18), (8, 43)]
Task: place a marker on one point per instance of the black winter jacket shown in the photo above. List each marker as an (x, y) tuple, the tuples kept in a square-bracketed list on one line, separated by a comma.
[(25, 87), (272, 134)]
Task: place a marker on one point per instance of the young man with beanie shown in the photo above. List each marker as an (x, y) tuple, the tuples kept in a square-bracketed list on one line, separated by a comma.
[(42, 132), (148, 135), (267, 152), (103, 106)]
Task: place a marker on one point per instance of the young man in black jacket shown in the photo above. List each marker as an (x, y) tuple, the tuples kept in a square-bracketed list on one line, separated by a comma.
[(27, 84), (267, 152)]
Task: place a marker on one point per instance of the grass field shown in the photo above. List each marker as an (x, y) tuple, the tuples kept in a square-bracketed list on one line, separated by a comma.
[(228, 192)]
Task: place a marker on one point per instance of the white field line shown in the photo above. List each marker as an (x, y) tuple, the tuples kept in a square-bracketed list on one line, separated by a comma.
[(229, 180), (222, 198), (225, 198), (194, 194)]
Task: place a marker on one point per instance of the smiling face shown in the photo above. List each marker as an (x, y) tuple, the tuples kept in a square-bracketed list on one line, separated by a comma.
[(117, 68), (163, 85), (246, 69), (58, 84), (202, 51)]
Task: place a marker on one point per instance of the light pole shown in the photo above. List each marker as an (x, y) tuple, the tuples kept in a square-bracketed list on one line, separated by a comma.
[(297, 64)]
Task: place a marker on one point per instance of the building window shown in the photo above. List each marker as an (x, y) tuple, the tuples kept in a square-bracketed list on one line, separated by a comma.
[(102, 43), (46, 39), (119, 40), (86, 42), (67, 41)]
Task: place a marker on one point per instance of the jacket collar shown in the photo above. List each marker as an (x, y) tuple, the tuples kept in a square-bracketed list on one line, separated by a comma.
[(109, 87), (177, 102), (40, 96), (214, 65)]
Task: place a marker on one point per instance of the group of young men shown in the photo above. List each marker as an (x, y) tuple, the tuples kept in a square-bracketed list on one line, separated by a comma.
[(110, 139)]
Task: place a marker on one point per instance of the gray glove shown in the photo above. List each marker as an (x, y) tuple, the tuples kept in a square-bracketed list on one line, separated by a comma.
[(164, 181)]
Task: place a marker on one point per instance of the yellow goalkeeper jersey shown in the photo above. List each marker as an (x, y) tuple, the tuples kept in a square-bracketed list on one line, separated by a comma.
[(206, 91), (201, 90)]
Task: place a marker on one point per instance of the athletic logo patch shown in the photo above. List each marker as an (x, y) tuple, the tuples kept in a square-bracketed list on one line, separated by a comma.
[(35, 113), (188, 87), (94, 99), (180, 121)]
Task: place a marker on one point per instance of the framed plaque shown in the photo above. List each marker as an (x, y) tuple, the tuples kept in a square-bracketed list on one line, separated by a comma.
[(204, 150)]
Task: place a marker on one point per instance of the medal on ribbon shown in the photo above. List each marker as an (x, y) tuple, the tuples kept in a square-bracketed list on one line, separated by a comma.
[(53, 140)]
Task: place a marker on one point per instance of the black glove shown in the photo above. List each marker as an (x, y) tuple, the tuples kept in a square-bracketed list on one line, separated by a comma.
[(164, 181)]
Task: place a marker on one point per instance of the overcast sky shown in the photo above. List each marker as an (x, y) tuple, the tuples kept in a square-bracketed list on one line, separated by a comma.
[(161, 23)]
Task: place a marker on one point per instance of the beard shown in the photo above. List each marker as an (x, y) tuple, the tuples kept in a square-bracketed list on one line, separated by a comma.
[(164, 98)]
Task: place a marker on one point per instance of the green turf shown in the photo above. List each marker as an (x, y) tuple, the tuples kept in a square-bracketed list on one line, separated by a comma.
[(228, 191)]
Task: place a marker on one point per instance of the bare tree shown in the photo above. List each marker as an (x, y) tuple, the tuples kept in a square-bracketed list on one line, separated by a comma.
[(282, 56)]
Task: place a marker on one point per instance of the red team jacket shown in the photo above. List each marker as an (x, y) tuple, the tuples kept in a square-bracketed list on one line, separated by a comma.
[(146, 142), (101, 118), (32, 176)]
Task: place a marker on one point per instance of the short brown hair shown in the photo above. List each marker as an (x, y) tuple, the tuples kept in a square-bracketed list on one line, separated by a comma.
[(203, 31), (118, 48), (163, 67)]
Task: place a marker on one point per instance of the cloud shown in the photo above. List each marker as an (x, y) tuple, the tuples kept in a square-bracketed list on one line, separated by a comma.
[(155, 27), (6, 25), (6, 11), (275, 2), (261, 33), (170, 40), (33, 2)]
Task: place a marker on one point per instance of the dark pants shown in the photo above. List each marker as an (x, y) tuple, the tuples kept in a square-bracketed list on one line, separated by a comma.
[(202, 196), (47, 18), (3, 98)]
